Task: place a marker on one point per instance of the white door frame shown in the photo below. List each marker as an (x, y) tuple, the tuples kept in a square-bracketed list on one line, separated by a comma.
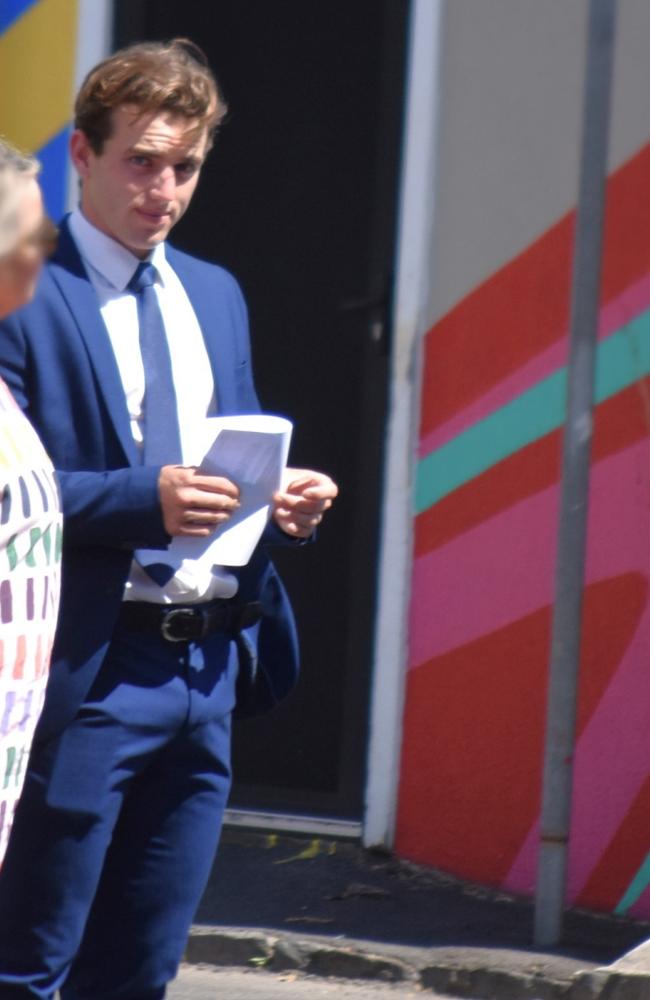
[(410, 322)]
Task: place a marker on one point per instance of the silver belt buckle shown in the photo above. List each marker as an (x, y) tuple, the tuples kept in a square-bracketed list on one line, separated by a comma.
[(176, 614)]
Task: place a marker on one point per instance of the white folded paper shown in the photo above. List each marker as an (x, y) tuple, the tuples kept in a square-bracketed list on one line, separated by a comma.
[(252, 452)]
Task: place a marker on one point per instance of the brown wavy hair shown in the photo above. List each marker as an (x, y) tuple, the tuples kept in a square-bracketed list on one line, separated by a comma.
[(152, 77)]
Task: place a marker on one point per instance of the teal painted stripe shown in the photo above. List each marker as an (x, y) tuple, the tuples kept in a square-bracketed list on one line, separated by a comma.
[(621, 359), (636, 888), (532, 415)]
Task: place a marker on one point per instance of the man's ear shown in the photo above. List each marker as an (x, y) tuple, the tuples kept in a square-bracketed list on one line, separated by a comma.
[(80, 152)]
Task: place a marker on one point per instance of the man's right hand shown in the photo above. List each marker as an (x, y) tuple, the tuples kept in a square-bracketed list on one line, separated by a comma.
[(192, 504)]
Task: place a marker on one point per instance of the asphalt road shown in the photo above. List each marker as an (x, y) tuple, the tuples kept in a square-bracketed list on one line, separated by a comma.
[(208, 983)]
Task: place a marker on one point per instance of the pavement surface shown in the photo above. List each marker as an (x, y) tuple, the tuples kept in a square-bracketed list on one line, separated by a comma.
[(331, 909), (200, 982)]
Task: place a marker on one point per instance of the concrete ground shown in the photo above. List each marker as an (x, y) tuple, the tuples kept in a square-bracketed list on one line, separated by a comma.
[(325, 908), (208, 983)]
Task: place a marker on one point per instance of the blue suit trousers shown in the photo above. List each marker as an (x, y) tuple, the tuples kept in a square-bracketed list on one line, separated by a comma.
[(118, 824)]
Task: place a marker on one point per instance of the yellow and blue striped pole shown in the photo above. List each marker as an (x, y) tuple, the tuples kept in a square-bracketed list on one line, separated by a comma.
[(37, 65)]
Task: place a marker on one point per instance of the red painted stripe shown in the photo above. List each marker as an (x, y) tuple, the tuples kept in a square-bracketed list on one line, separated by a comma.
[(622, 859), (626, 257), (619, 422), (519, 476), (498, 327), (471, 760), (524, 307)]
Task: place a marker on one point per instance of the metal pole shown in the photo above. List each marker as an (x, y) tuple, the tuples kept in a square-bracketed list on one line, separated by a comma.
[(569, 580)]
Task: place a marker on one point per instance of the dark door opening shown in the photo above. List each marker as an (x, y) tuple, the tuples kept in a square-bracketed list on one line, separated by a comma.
[(298, 199)]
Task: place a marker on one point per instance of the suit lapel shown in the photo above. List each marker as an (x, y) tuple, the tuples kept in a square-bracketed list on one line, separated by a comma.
[(68, 272)]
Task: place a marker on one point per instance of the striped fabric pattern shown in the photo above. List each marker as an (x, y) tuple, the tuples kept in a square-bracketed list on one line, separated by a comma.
[(30, 558)]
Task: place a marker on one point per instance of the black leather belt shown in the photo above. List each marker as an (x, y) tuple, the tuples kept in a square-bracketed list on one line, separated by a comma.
[(189, 622)]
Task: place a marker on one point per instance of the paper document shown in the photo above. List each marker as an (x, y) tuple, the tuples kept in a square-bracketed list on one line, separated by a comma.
[(252, 452)]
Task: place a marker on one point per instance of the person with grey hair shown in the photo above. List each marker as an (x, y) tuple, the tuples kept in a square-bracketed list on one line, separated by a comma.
[(30, 514), (15, 169), (26, 233)]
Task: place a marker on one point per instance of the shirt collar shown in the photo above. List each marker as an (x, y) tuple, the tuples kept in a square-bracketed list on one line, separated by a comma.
[(113, 262)]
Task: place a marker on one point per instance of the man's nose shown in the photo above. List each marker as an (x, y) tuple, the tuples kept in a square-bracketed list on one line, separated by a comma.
[(164, 186)]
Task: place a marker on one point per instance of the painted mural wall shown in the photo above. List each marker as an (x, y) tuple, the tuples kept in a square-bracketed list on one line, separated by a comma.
[(37, 63), (487, 494)]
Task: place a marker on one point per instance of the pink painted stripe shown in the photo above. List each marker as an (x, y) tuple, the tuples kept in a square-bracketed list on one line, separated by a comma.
[(610, 769), (503, 569), (609, 772), (540, 367), (633, 301), (483, 580)]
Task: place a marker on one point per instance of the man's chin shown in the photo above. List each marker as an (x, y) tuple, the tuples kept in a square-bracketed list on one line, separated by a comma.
[(143, 243), (153, 239), (148, 231)]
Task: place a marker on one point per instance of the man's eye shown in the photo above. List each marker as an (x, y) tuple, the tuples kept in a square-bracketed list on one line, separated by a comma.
[(139, 161), (185, 169)]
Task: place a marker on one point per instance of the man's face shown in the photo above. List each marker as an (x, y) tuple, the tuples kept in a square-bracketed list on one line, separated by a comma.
[(143, 180)]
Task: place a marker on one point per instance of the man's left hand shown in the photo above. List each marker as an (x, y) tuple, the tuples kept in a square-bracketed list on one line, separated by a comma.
[(301, 503)]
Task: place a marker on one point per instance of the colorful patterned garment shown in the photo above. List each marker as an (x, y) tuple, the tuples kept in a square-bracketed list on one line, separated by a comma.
[(30, 559)]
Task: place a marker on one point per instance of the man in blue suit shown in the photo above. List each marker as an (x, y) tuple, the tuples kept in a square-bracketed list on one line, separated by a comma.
[(127, 346)]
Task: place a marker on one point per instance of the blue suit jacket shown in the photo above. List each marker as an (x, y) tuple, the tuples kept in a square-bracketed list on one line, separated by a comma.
[(56, 356)]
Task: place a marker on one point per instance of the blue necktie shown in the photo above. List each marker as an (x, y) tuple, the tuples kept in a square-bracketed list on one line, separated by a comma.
[(162, 440)]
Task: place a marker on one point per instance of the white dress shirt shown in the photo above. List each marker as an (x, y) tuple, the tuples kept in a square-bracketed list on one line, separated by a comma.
[(110, 267)]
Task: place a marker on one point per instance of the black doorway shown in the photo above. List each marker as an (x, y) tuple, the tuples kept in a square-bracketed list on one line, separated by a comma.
[(298, 199)]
